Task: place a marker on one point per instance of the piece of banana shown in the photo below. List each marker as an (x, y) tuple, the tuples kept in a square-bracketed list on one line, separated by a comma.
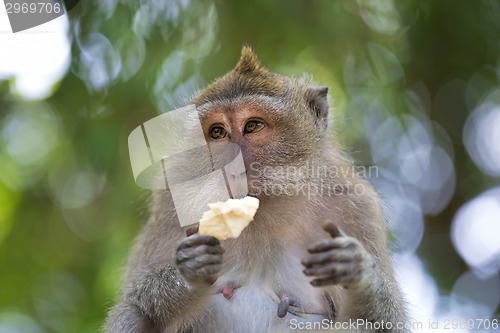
[(228, 219)]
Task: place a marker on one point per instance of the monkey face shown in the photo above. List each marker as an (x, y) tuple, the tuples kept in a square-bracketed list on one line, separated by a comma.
[(276, 121), (245, 126), (269, 136)]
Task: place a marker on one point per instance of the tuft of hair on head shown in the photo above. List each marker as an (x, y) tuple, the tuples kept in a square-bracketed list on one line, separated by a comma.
[(249, 63), (247, 77)]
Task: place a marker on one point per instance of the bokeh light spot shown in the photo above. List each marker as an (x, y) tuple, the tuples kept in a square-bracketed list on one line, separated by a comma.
[(100, 63), (482, 137), (475, 233), (30, 133), (475, 297)]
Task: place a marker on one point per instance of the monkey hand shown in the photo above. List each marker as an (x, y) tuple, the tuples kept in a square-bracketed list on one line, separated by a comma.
[(199, 258), (339, 260)]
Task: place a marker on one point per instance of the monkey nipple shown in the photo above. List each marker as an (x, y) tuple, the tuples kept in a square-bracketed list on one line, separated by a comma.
[(283, 306), (228, 290)]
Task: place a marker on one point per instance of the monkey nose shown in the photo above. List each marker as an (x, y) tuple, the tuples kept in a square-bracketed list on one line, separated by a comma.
[(237, 184)]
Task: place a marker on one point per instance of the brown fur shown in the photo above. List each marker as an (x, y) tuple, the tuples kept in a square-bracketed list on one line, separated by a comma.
[(248, 77)]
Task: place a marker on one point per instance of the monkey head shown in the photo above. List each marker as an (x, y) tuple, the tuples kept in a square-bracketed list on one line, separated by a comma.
[(276, 121)]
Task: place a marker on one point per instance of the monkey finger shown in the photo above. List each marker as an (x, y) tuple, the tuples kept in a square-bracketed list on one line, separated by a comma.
[(332, 229), (207, 259), (182, 256), (199, 262), (334, 243), (206, 274), (209, 270), (193, 252), (321, 246), (328, 270), (330, 281), (316, 259), (329, 244), (196, 239), (327, 257), (191, 230), (216, 249)]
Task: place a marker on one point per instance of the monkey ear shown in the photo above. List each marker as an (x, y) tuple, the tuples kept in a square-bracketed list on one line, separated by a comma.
[(317, 100)]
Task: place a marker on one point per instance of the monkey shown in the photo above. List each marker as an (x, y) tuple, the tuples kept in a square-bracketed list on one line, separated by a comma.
[(316, 250)]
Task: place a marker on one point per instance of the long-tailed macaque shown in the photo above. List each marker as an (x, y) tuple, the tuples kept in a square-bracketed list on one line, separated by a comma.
[(315, 256)]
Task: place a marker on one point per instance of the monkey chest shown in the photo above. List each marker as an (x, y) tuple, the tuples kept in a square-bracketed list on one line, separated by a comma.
[(265, 299), (254, 308)]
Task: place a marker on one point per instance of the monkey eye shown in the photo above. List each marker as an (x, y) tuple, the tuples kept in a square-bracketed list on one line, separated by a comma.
[(253, 126), (218, 132)]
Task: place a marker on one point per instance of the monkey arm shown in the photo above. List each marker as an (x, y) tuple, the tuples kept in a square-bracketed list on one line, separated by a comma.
[(378, 299), (364, 272), (156, 297), (125, 318), (156, 300)]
